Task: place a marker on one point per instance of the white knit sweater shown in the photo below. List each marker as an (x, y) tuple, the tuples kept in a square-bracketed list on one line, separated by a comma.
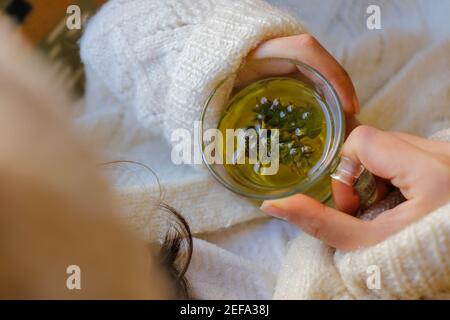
[(161, 59)]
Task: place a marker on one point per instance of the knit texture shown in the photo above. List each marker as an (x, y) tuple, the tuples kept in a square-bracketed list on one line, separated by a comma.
[(385, 66), (163, 58)]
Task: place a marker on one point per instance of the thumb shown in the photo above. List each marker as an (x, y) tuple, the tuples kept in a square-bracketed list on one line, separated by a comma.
[(387, 157), (333, 227)]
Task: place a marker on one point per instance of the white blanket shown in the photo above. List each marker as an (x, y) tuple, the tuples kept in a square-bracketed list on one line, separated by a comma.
[(402, 76)]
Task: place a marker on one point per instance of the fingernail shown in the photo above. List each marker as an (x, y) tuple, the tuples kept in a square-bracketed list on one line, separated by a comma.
[(356, 104), (271, 209), (347, 171)]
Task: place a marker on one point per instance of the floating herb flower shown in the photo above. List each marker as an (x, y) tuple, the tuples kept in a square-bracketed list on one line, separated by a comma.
[(290, 107), (307, 149), (295, 124), (306, 115)]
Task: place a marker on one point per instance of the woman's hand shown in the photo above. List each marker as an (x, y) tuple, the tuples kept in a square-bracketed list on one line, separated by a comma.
[(307, 49), (420, 168)]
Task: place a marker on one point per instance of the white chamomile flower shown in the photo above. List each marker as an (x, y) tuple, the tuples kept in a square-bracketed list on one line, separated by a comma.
[(289, 108), (282, 114), (306, 149), (306, 115), (264, 100)]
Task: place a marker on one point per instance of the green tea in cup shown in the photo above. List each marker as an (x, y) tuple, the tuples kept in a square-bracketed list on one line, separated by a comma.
[(296, 111), (298, 120)]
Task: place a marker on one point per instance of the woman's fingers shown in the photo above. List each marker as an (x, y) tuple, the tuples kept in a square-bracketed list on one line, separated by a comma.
[(335, 228), (423, 180), (308, 50), (386, 156), (338, 229), (438, 148), (393, 220), (346, 199)]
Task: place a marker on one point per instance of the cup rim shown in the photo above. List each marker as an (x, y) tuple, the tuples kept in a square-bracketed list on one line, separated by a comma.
[(335, 148)]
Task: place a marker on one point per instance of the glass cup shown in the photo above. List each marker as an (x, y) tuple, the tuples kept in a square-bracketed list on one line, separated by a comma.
[(317, 182)]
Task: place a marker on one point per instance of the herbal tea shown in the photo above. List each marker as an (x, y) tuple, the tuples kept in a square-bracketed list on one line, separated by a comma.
[(293, 108)]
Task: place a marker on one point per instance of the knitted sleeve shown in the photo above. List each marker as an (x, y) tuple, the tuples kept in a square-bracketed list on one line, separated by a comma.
[(163, 57)]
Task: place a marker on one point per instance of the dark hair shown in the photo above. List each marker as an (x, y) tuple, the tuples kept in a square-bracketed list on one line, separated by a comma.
[(177, 238), (176, 244)]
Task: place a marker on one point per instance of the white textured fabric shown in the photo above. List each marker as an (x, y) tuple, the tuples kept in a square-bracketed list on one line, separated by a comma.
[(413, 264), (401, 75), (164, 58)]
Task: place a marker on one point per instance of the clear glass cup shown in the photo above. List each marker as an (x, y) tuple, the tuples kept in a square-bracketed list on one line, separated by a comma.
[(317, 183)]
